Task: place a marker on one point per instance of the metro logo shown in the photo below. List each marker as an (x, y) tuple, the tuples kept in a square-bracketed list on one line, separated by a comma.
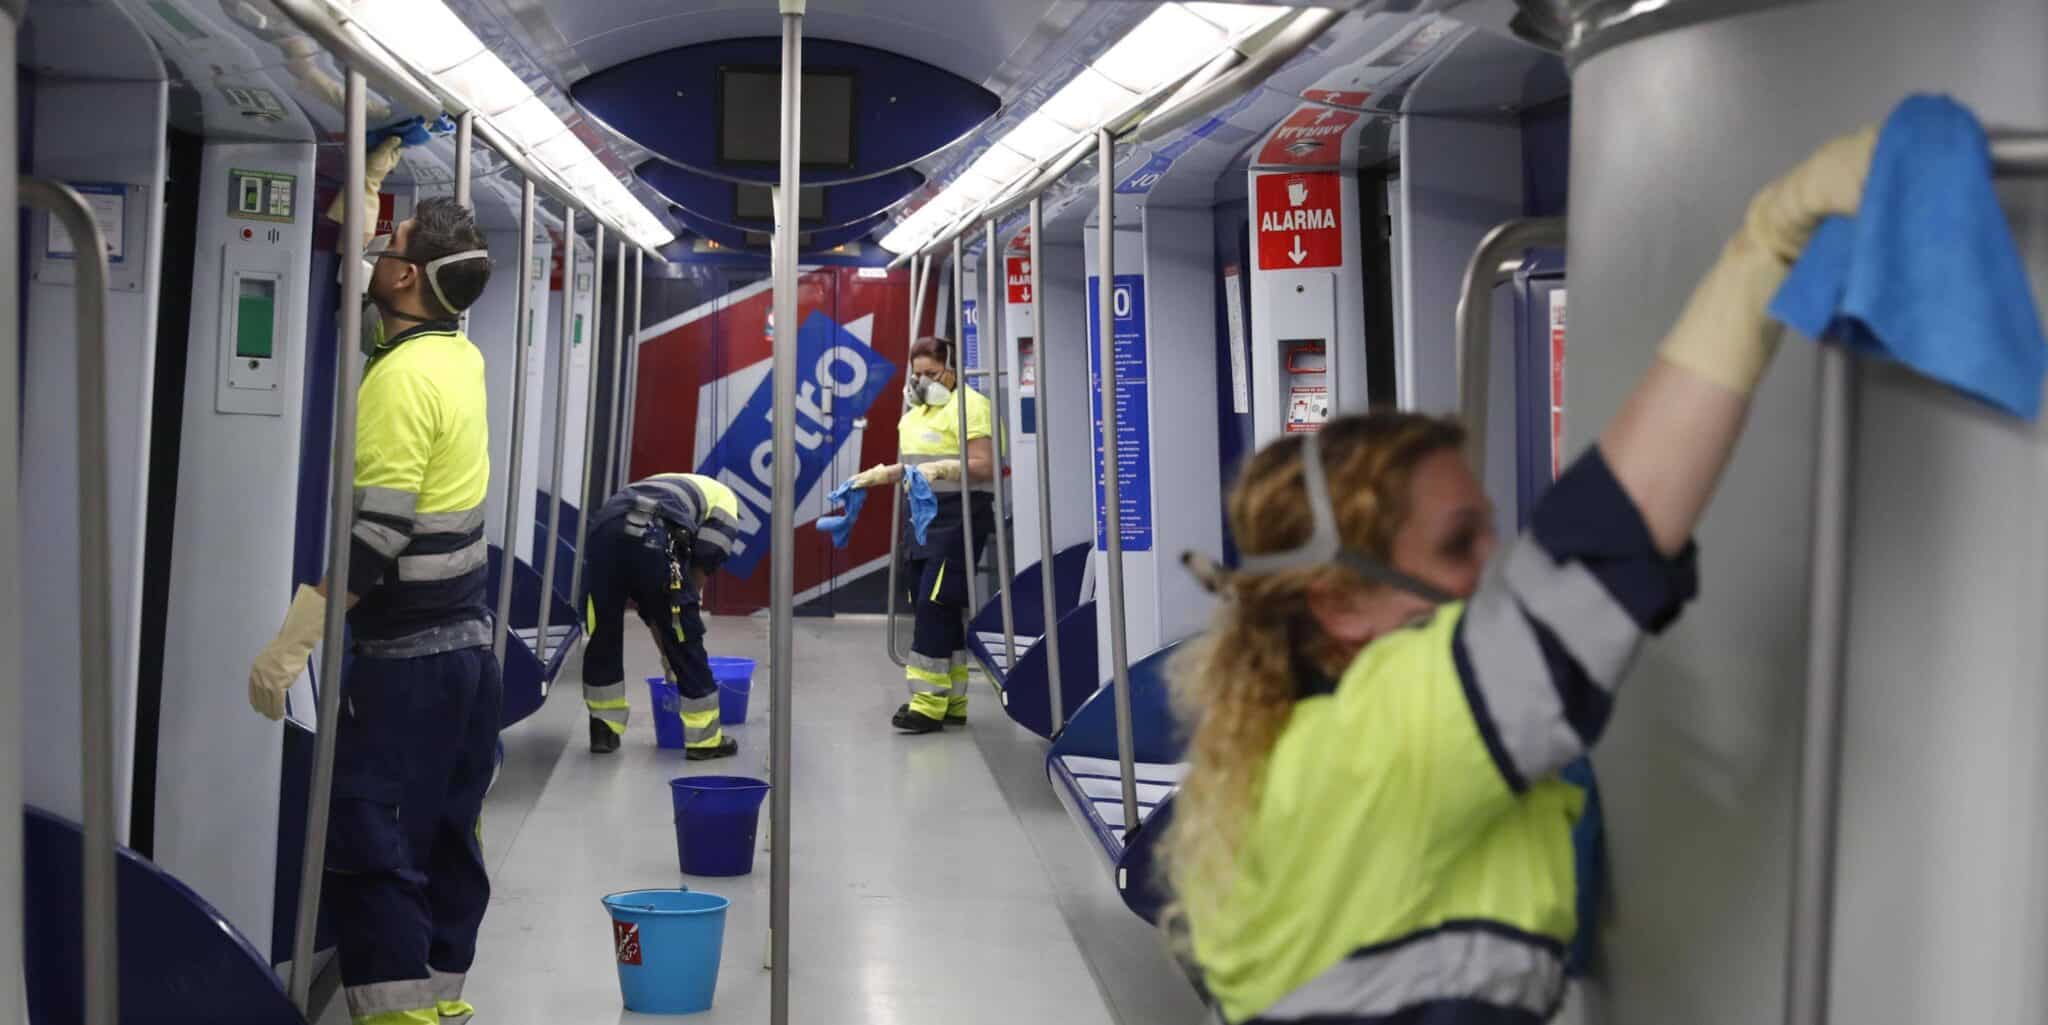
[(833, 361)]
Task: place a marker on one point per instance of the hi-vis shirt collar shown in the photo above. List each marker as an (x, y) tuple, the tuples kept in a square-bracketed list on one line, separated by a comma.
[(431, 327)]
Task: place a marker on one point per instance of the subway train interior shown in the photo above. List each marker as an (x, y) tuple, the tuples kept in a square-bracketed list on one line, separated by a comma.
[(720, 236)]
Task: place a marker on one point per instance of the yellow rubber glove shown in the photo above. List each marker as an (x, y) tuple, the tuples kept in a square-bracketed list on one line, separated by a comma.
[(285, 658), (941, 469), (878, 475), (1724, 334), (376, 167)]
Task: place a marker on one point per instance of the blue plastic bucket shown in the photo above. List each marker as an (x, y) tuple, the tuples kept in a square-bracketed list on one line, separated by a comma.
[(716, 817), (668, 712), (735, 678), (667, 944)]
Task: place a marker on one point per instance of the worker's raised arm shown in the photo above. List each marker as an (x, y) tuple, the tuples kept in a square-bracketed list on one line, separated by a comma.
[(1671, 439)]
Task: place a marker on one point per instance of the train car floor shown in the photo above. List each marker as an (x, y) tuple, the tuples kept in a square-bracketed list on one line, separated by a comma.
[(918, 896)]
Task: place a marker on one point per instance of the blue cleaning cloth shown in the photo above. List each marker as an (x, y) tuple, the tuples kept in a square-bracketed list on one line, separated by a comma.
[(1926, 273), (924, 505), (411, 132), (841, 525)]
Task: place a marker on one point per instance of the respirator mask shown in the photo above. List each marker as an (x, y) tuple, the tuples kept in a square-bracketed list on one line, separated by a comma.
[(925, 391), (1323, 547), (380, 323)]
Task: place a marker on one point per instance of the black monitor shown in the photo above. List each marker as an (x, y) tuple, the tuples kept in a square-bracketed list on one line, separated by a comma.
[(750, 117), (757, 203)]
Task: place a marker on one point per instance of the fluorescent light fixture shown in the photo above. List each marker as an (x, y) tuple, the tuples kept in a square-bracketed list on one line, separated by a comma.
[(430, 38), (1086, 101), (1240, 20), (1039, 138), (1170, 42), (1000, 164)]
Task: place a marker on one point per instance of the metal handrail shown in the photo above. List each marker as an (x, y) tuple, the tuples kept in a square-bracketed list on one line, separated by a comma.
[(465, 131), (96, 747), (1809, 949), (782, 517), (547, 572), (1047, 592), (355, 48), (1112, 510), (1475, 319), (632, 400), (340, 522), (920, 269), (992, 284), (589, 424), (515, 455), (960, 407), (611, 438)]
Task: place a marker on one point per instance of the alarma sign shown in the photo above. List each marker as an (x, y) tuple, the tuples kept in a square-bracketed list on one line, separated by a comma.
[(1300, 221), (1017, 272)]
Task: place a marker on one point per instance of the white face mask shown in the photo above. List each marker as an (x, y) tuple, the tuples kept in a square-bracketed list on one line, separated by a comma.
[(923, 391)]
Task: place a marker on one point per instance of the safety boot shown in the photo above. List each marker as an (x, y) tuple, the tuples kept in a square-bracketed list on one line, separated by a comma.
[(915, 722), (727, 747), (603, 739)]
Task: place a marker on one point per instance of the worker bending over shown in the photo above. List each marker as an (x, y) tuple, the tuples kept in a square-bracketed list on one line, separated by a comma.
[(418, 731), (928, 437), (1373, 828), (654, 544)]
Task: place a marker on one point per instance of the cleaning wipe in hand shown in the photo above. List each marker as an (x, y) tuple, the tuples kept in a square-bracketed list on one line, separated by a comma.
[(924, 505), (840, 526), (1926, 273)]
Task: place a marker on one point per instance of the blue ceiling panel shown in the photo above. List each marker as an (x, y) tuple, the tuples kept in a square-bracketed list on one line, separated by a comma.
[(668, 102), (717, 198)]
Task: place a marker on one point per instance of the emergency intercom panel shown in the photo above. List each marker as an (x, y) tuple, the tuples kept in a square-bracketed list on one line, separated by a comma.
[(252, 339), (1305, 321)]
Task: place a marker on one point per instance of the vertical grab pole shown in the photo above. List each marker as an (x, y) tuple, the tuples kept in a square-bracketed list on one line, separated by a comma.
[(548, 560), (465, 132), (1813, 862), (1474, 323), (1112, 511), (1047, 593), (611, 438), (341, 480), (960, 406), (782, 519), (589, 421), (992, 293), (632, 399), (95, 601), (515, 505), (896, 493)]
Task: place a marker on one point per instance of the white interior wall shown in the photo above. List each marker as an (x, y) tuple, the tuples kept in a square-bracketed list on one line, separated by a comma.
[(1063, 357), (493, 326), (537, 446), (1939, 903), (95, 131), (231, 566), (579, 386), (13, 994)]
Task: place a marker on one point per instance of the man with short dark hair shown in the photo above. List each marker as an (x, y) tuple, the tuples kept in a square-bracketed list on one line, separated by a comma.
[(416, 740)]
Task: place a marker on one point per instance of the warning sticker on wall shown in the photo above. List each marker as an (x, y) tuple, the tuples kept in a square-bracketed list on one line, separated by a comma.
[(1312, 136), (1308, 408), (626, 940)]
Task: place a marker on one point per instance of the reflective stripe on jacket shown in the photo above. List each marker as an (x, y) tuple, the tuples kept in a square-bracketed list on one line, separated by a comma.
[(418, 556), (697, 506)]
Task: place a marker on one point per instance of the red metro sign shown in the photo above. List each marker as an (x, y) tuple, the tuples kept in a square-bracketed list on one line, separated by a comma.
[(1300, 221)]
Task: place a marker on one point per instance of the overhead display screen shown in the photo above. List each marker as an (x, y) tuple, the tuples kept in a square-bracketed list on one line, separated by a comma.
[(757, 203), (750, 117)]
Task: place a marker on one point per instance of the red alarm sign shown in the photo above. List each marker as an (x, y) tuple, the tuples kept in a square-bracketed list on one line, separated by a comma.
[(1300, 217), (1017, 271)]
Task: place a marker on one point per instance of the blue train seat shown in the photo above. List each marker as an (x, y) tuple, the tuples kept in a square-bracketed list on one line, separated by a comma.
[(1085, 774), (180, 960), (526, 679), (1025, 687)]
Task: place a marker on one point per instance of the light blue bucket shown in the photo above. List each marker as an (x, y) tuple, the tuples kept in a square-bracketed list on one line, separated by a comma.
[(667, 944)]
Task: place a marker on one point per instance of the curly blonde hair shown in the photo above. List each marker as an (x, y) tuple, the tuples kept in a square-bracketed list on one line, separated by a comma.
[(1234, 687)]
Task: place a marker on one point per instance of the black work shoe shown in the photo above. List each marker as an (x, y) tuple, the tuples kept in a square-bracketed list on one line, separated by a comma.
[(603, 739), (727, 747), (915, 722), (956, 720)]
